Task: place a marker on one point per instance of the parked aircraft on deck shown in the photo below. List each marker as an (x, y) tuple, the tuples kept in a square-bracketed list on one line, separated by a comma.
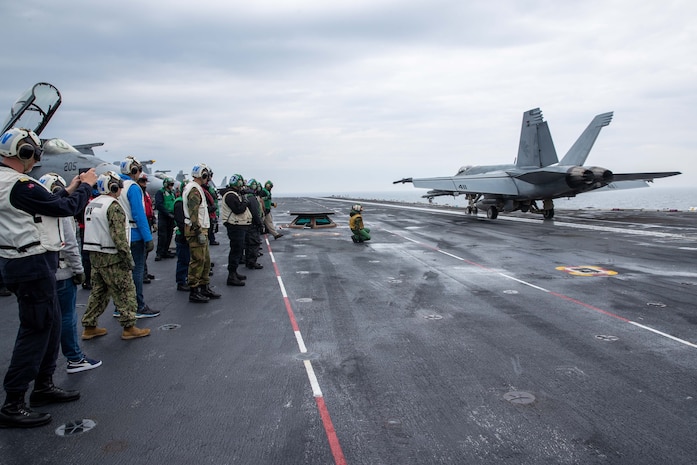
[(33, 110), (536, 174)]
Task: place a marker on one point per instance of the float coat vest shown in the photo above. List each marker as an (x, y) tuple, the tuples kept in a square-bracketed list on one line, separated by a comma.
[(126, 205), (229, 217), (203, 219), (97, 235), (26, 234)]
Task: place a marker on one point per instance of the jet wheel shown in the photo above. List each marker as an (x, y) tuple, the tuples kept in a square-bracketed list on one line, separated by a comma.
[(492, 213), (470, 210), (548, 214)]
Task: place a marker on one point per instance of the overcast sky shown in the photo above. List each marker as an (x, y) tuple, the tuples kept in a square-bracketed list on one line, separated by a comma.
[(342, 96)]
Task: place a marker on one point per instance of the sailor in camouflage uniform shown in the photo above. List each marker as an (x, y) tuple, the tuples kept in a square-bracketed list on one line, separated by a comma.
[(107, 238)]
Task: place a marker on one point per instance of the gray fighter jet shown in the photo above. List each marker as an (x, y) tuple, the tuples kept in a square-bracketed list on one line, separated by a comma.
[(536, 174), (33, 110)]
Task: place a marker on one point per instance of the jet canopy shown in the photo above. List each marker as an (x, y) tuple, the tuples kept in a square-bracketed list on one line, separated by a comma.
[(34, 109), (57, 147)]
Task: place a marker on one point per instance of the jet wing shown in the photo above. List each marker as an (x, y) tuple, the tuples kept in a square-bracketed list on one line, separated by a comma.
[(624, 185), (87, 148), (434, 193), (643, 176), (499, 184)]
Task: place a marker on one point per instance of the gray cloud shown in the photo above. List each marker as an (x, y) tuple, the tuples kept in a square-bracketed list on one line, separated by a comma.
[(310, 93)]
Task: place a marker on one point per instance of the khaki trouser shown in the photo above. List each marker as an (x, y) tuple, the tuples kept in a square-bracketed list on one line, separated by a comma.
[(200, 262), (268, 222)]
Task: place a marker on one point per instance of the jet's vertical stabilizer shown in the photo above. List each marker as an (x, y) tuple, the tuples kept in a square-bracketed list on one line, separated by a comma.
[(536, 148), (578, 152)]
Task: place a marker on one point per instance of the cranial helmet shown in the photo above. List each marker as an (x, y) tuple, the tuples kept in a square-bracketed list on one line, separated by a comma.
[(268, 183), (143, 177), (236, 180), (201, 171), (357, 207), (131, 166), (21, 143), (182, 185), (168, 182), (53, 182), (253, 184), (109, 183)]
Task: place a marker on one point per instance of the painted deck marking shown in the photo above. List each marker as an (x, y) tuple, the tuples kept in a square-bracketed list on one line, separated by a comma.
[(332, 437), (556, 294), (661, 333)]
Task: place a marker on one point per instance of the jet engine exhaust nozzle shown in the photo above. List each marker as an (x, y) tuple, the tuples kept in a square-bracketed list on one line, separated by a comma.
[(601, 175), (579, 176)]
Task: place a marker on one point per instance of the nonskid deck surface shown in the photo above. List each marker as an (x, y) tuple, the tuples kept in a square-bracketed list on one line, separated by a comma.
[(446, 339)]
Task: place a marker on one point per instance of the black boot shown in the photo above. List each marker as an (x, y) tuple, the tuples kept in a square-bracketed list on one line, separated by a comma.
[(45, 392), (196, 297), (15, 414), (233, 280), (241, 277), (206, 290)]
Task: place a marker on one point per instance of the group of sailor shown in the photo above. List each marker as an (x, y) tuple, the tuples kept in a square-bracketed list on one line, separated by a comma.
[(244, 208), (41, 262)]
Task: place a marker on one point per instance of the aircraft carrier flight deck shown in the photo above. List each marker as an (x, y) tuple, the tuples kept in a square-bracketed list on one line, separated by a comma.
[(446, 339)]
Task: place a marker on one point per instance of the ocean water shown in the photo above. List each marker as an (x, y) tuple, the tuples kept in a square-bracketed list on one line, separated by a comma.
[(649, 198)]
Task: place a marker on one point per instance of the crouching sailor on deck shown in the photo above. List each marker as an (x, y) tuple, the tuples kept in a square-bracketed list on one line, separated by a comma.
[(360, 233)]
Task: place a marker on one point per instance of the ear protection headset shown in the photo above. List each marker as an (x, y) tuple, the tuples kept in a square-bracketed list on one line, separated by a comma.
[(53, 182), (21, 143), (115, 185), (131, 166), (236, 180), (27, 150), (201, 171)]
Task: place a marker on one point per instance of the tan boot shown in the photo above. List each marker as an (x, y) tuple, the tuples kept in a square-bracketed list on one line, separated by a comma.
[(132, 332), (90, 332)]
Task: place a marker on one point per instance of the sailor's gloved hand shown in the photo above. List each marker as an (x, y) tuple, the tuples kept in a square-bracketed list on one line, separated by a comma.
[(79, 278), (149, 246), (202, 238)]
